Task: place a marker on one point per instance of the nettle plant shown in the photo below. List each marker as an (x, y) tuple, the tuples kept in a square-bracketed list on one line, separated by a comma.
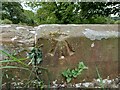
[(69, 74)]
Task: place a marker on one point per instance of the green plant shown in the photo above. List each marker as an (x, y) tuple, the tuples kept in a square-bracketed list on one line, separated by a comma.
[(0, 21), (35, 55), (36, 58), (101, 20), (6, 21), (101, 81), (13, 59), (117, 22), (69, 74)]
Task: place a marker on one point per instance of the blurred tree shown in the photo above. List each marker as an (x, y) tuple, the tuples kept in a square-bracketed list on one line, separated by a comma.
[(57, 12), (13, 11), (74, 12), (46, 13), (31, 18), (91, 9), (60, 12)]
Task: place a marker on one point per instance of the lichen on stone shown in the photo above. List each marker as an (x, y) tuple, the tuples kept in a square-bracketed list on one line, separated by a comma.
[(98, 35)]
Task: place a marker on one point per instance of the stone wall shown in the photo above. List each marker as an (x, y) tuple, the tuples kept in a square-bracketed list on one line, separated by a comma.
[(64, 46), (15, 39), (0, 73)]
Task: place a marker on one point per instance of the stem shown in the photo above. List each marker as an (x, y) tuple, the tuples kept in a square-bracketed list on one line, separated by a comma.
[(101, 81), (14, 58)]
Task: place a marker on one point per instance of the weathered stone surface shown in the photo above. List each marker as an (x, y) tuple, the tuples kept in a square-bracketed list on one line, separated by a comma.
[(0, 73), (66, 45), (16, 37)]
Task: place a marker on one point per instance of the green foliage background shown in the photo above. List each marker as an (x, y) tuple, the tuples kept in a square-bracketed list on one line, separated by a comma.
[(61, 12)]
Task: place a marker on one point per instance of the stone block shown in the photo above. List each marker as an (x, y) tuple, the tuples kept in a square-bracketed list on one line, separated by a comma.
[(64, 46)]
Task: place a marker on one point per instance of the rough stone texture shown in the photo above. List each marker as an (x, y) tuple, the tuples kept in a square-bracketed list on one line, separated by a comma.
[(15, 39), (64, 46), (0, 72)]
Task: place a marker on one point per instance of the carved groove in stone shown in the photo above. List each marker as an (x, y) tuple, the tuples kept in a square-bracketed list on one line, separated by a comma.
[(62, 48)]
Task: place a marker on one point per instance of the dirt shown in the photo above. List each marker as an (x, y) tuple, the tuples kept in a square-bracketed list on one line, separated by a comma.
[(107, 83)]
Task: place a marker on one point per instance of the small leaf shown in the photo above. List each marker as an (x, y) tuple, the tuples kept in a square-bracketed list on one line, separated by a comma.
[(76, 69), (68, 70), (81, 65), (39, 60), (68, 79), (78, 73), (65, 74), (75, 75), (73, 71)]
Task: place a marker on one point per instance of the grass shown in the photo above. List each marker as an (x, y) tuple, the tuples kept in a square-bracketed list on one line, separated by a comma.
[(36, 56), (13, 59), (99, 76)]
